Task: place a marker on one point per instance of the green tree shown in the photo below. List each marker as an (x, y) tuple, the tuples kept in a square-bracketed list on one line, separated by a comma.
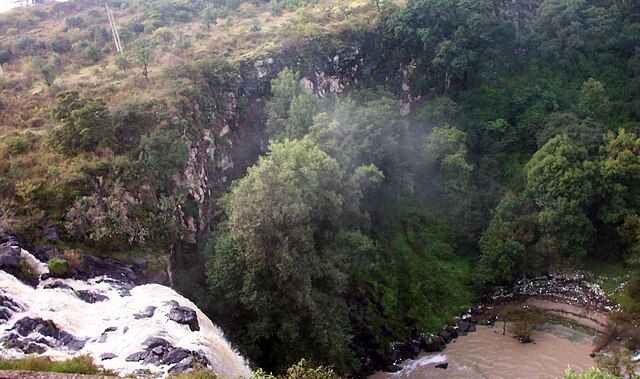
[(505, 242), (594, 101), (562, 183), (209, 16), (91, 53), (584, 133), (286, 247), (446, 154), (141, 50), (291, 108), (86, 124), (168, 153), (123, 63), (620, 170), (45, 69)]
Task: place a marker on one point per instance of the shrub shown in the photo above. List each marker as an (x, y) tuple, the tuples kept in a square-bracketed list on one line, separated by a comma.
[(123, 63), (73, 22), (16, 145), (5, 55), (593, 373), (58, 267), (23, 47), (91, 53)]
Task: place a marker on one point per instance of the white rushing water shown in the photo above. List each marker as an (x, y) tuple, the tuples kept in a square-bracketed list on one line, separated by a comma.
[(109, 326)]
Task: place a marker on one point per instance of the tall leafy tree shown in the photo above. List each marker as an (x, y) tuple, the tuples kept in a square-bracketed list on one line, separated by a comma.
[(87, 123), (620, 170), (291, 109), (283, 258), (562, 183)]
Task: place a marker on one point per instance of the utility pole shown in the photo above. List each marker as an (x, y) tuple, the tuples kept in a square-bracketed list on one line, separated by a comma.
[(1, 72), (114, 29)]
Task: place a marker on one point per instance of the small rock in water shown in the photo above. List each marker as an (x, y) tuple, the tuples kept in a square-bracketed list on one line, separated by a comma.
[(135, 357), (443, 366), (184, 315), (27, 325), (107, 356), (152, 342), (58, 284), (185, 365), (175, 356), (145, 313), (90, 297)]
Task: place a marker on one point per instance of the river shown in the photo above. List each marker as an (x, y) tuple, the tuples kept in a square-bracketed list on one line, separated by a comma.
[(487, 353)]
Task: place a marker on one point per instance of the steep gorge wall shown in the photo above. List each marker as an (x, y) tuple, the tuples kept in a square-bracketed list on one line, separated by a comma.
[(235, 136)]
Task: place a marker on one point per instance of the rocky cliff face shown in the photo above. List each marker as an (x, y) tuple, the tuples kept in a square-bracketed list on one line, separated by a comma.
[(236, 137)]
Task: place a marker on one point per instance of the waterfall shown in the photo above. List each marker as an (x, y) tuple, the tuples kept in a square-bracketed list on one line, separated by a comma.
[(125, 328)]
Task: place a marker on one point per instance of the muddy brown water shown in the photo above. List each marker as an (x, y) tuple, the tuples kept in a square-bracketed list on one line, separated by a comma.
[(487, 353)]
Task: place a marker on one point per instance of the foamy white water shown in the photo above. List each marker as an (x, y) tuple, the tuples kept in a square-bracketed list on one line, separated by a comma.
[(110, 328)]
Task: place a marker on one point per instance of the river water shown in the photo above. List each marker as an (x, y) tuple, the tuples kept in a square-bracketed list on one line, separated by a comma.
[(487, 353), (113, 326)]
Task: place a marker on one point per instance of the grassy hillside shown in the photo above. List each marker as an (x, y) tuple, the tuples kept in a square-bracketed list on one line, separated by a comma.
[(370, 165)]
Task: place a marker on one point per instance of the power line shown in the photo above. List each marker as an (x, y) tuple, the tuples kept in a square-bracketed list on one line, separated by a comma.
[(114, 29)]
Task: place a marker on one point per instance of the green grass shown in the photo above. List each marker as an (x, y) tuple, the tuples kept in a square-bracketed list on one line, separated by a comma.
[(77, 365), (610, 274), (58, 267), (198, 374)]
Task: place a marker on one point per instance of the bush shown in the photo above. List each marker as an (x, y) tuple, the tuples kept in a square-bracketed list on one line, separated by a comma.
[(91, 53), (23, 47), (123, 63), (74, 22), (5, 56), (58, 267), (16, 145), (593, 373)]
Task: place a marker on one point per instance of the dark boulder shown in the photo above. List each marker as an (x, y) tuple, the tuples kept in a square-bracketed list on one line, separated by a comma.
[(8, 308), (175, 356), (472, 328), (70, 341), (107, 356), (431, 345), (153, 359), (10, 259), (90, 296), (138, 356), (145, 313), (183, 366), (152, 342), (184, 315), (43, 253), (463, 326), (58, 284), (28, 325), (443, 366), (446, 335)]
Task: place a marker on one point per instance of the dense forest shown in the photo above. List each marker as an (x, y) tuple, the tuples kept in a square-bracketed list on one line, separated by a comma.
[(460, 145)]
